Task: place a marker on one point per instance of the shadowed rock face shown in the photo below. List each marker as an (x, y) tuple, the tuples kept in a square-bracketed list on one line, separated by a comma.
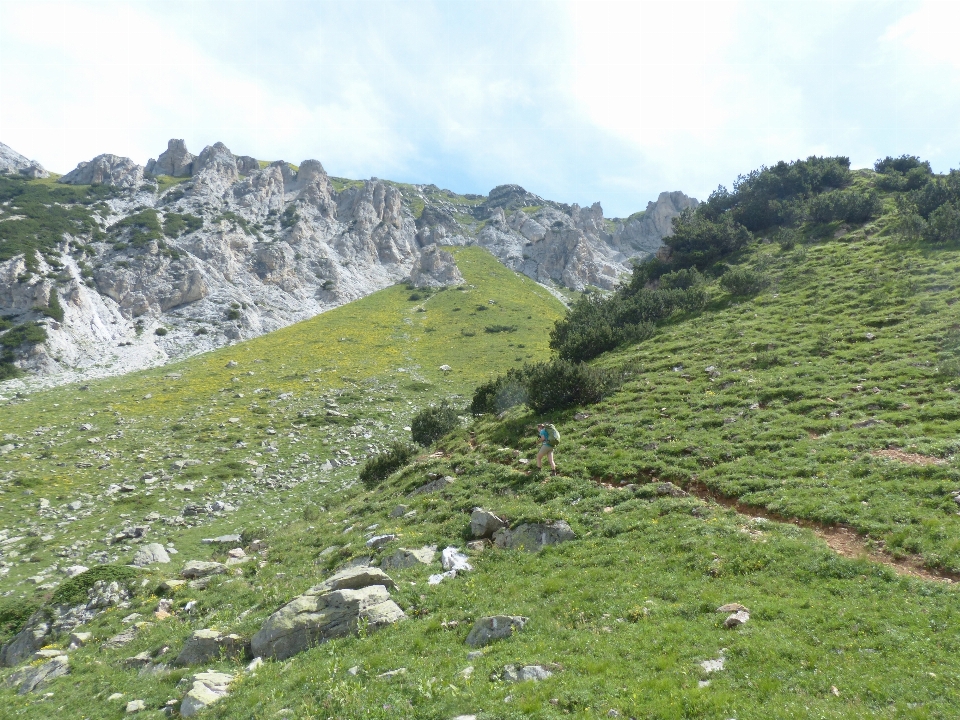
[(280, 244)]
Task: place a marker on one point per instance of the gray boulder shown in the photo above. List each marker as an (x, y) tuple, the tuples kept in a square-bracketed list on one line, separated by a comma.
[(484, 524), (433, 486), (497, 627), (403, 558), (514, 674), (533, 537), (13, 163), (335, 608), (106, 169), (32, 677), (200, 568), (175, 160), (207, 645), (27, 642), (150, 554), (206, 688)]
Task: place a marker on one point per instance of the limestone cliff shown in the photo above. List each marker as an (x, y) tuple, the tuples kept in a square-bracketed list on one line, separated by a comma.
[(193, 252)]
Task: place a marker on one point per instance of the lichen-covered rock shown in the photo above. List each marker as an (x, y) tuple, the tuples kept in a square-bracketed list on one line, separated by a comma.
[(404, 558), (149, 554), (496, 627), (207, 645), (432, 486), (27, 641), (533, 537), (201, 568), (335, 608), (32, 677), (206, 688), (484, 524)]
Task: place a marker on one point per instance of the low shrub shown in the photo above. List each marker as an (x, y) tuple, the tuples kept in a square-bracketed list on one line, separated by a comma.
[(74, 591), (160, 331), (380, 467), (741, 282), (500, 394), (13, 614), (560, 384), (432, 423)]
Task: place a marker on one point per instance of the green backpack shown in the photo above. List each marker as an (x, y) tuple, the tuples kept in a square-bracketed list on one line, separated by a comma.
[(553, 437)]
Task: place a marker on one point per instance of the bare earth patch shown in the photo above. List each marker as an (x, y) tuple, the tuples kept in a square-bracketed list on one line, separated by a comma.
[(908, 458)]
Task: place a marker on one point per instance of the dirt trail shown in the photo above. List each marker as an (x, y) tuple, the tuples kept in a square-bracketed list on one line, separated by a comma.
[(842, 540)]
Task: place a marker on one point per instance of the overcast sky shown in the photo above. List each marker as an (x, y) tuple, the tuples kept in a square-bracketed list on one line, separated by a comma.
[(576, 101)]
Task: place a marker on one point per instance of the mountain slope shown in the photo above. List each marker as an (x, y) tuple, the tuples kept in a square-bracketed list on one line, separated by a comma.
[(766, 396), (196, 252)]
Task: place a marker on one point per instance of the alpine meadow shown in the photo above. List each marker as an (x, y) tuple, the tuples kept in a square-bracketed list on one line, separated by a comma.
[(756, 512)]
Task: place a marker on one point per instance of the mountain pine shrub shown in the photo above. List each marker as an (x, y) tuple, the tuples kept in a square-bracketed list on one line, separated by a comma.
[(560, 384), (741, 282), (501, 393), (432, 423), (380, 467)]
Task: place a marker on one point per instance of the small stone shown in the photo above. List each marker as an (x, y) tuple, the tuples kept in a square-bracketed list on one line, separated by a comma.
[(732, 608), (834, 690), (399, 511), (115, 696), (354, 670), (254, 664), (171, 586), (497, 627), (150, 554), (737, 618), (378, 541), (484, 524), (392, 673), (713, 665), (200, 568), (477, 545), (535, 673)]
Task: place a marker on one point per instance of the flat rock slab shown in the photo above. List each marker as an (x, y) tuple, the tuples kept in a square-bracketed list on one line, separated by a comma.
[(353, 578), (404, 558), (533, 537), (310, 620), (223, 540), (30, 639), (124, 638), (31, 678), (535, 673), (207, 645), (433, 486), (496, 627), (150, 554), (200, 568), (206, 689)]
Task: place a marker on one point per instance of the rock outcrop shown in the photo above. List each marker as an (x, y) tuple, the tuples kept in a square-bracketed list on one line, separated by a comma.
[(207, 645), (206, 688), (31, 678), (334, 608), (175, 161), (232, 251), (533, 537), (106, 169), (13, 163)]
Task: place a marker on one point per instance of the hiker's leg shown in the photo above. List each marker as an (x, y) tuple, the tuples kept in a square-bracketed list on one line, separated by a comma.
[(553, 465), (543, 451)]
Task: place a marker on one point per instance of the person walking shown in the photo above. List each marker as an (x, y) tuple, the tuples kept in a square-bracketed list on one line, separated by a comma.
[(546, 449)]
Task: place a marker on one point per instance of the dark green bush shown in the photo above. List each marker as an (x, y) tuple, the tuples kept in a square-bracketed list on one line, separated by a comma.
[(175, 224), (846, 205), (53, 309), (379, 468), (560, 384), (31, 333), (13, 614), (943, 225), (141, 227), (432, 423), (160, 331), (290, 216), (743, 281), (699, 242), (74, 591), (501, 393), (500, 328)]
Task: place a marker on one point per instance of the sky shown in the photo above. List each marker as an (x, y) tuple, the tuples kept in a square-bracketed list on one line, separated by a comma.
[(576, 101)]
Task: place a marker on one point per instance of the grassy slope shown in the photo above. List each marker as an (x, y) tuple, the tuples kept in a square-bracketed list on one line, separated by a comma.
[(626, 612)]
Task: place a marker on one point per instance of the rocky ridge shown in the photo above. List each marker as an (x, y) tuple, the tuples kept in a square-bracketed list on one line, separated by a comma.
[(195, 252)]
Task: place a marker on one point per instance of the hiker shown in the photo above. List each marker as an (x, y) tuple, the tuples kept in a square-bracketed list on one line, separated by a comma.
[(547, 434)]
